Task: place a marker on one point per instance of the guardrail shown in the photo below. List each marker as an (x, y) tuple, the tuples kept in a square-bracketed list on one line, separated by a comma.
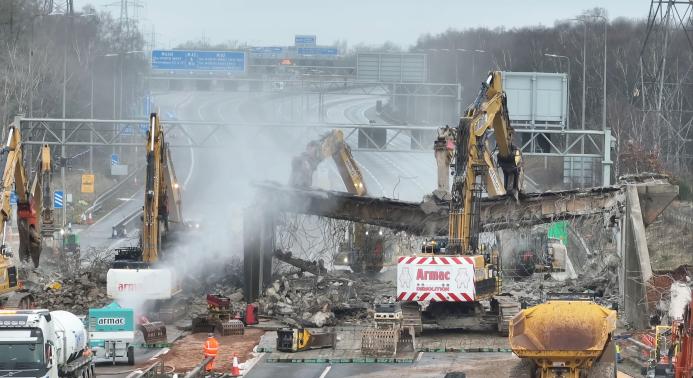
[(199, 370), (123, 224), (98, 202), (156, 370)]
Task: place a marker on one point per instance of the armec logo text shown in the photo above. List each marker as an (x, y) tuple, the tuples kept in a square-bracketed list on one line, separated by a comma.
[(111, 321)]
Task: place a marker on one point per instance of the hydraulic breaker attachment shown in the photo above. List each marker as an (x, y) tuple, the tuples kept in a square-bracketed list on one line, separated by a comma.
[(300, 339)]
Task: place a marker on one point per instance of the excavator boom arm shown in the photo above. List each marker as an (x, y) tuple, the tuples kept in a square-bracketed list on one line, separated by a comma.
[(29, 196), (173, 191), (152, 195), (331, 145), (475, 168)]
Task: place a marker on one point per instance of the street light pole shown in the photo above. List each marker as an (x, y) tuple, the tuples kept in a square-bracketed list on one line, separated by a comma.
[(63, 161), (91, 130), (62, 131), (474, 53), (606, 163), (584, 74), (567, 115), (606, 28)]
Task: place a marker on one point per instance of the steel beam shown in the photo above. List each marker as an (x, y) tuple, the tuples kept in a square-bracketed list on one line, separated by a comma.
[(199, 134)]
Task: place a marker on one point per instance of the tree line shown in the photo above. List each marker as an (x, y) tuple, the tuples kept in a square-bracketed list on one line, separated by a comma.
[(651, 134), (43, 48)]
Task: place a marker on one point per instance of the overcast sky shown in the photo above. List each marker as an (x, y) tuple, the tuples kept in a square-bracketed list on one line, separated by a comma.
[(275, 22)]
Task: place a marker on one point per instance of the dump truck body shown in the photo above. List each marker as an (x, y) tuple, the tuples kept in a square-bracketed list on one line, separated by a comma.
[(564, 337)]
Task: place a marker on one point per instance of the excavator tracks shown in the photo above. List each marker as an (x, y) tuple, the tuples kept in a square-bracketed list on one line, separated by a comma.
[(411, 317), (508, 307)]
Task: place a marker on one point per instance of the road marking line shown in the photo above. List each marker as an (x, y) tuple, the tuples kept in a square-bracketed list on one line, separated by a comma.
[(324, 372), (249, 364)]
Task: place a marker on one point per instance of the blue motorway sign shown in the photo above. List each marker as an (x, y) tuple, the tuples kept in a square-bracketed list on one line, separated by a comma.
[(266, 50), (304, 40), (115, 159), (320, 51), (58, 199), (230, 61)]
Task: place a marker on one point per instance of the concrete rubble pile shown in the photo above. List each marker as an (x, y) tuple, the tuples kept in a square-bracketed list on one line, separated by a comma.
[(75, 293), (198, 303), (599, 276), (317, 301), (224, 279)]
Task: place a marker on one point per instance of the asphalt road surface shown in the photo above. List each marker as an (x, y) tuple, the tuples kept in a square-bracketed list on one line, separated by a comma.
[(429, 365), (121, 368)]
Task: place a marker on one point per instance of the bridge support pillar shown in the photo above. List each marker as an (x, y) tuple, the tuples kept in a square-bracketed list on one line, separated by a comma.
[(258, 248), (644, 203)]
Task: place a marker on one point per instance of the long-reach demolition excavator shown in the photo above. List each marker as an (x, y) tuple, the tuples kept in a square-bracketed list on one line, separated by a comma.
[(458, 286), (138, 273), (363, 251), (32, 216)]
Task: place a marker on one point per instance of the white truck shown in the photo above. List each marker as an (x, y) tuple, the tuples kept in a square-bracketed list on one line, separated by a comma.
[(39, 343)]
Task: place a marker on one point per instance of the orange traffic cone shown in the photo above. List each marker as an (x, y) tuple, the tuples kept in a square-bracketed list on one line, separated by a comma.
[(235, 369)]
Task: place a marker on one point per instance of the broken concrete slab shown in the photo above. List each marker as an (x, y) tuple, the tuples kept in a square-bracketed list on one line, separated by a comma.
[(431, 217)]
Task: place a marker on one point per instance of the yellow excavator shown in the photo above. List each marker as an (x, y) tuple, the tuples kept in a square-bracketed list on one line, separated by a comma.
[(139, 273), (332, 145), (458, 282), (31, 216), (364, 248)]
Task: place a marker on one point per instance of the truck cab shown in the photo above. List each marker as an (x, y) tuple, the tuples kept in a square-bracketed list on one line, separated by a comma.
[(39, 343)]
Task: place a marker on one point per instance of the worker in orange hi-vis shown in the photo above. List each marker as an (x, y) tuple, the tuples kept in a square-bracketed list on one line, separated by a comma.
[(211, 348)]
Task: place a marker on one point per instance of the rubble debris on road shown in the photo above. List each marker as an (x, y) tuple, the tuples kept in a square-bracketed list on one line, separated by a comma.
[(599, 276), (317, 301), (75, 294)]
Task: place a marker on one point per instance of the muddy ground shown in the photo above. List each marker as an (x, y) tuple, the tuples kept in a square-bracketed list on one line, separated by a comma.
[(187, 353)]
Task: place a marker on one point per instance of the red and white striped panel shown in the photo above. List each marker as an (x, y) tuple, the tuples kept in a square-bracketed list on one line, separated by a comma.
[(415, 296), (435, 278), (432, 260)]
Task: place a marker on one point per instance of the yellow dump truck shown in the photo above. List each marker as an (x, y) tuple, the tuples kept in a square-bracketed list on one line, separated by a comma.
[(565, 338)]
